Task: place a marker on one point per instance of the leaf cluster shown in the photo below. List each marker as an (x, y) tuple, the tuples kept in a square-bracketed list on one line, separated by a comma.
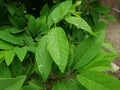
[(55, 45)]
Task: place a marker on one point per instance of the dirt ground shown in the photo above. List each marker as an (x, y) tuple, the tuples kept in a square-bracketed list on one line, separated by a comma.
[(113, 36)]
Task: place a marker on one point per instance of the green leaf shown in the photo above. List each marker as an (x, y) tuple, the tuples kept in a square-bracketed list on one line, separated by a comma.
[(41, 21), (29, 41), (11, 8), (95, 15), (17, 21), (93, 80), (59, 12), (32, 87), (74, 6), (79, 23), (9, 56), (4, 71), (77, 35), (110, 48), (32, 25), (21, 52), (87, 50), (110, 18), (67, 85), (102, 9), (43, 58), (11, 83), (44, 11), (2, 54), (5, 36), (97, 63), (63, 86), (100, 26), (71, 56), (58, 47), (16, 67)]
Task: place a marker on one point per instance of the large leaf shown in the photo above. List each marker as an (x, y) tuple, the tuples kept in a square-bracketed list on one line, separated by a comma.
[(59, 12), (11, 38), (87, 50), (79, 23), (9, 56), (58, 47), (21, 52), (11, 83), (43, 58), (98, 81)]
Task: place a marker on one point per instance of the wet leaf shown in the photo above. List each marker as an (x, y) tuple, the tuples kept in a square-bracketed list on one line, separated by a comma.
[(58, 47)]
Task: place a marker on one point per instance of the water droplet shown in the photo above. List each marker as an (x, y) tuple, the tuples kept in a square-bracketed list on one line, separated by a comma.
[(51, 43), (58, 63), (40, 66), (51, 33), (55, 19), (76, 24), (62, 65)]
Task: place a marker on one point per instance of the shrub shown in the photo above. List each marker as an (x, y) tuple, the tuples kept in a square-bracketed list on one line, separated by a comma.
[(55, 45)]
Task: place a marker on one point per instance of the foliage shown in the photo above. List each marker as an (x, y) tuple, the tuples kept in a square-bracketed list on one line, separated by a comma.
[(55, 45)]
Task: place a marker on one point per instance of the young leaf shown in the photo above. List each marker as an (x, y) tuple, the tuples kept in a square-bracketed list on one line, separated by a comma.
[(79, 23), (5, 36), (58, 47), (74, 6), (59, 12), (87, 50), (43, 58), (11, 83), (21, 52), (93, 80), (9, 56)]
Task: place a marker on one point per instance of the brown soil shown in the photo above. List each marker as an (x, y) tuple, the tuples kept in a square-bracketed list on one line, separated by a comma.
[(113, 36)]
